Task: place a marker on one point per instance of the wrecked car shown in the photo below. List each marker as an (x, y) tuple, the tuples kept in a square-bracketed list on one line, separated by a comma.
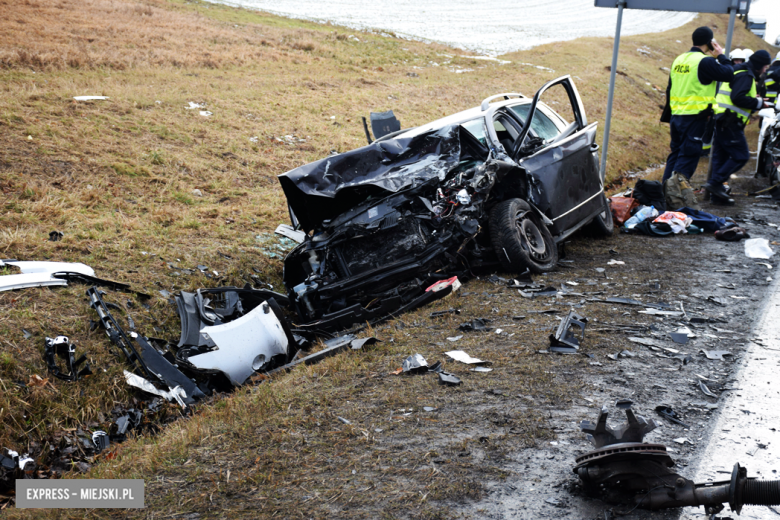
[(498, 185)]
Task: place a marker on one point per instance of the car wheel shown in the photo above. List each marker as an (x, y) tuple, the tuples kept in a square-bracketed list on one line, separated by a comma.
[(603, 225), (520, 238)]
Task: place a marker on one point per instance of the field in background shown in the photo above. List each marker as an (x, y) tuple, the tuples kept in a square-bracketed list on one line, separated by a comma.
[(142, 187)]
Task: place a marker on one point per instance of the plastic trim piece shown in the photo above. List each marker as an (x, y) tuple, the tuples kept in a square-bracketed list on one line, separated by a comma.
[(244, 345)]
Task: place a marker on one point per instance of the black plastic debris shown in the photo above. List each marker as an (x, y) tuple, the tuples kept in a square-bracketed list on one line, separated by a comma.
[(333, 346), (415, 364), (62, 347), (522, 284), (436, 367), (497, 280), (145, 359), (99, 282), (100, 438), (685, 358), (705, 319), (445, 378), (126, 423), (439, 314), (632, 302), (564, 339), (55, 236), (717, 301), (705, 390), (476, 325), (7, 463), (533, 292), (668, 413)]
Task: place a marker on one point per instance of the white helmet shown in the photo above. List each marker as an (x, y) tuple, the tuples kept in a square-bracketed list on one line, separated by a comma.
[(737, 54), (748, 53)]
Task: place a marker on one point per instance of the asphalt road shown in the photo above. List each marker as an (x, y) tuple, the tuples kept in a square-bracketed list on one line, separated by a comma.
[(746, 429)]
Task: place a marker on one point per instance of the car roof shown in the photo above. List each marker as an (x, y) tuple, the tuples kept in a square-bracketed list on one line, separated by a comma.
[(460, 117)]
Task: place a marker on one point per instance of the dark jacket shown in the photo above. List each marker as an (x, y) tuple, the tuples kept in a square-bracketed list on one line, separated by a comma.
[(740, 87), (774, 73), (710, 70)]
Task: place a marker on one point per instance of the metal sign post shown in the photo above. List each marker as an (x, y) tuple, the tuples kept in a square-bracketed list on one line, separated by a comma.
[(732, 7), (612, 75)]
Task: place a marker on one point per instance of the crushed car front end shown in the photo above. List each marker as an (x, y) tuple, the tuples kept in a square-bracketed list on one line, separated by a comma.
[(385, 222)]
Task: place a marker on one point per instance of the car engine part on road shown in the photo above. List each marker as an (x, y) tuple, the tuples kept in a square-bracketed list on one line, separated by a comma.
[(625, 470)]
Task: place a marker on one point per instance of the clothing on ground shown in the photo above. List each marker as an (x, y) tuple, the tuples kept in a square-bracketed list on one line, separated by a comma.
[(650, 193), (706, 221)]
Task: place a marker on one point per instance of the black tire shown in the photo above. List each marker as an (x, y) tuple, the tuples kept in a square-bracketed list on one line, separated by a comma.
[(603, 225), (520, 238)]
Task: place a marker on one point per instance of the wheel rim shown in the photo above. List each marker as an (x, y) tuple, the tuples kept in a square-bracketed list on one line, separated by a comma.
[(531, 238)]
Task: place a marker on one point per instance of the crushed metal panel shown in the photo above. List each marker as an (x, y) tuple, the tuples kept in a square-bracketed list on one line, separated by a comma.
[(321, 190), (244, 345)]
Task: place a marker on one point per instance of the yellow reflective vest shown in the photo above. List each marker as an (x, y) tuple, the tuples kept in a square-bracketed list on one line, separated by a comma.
[(724, 102), (771, 94), (687, 95)]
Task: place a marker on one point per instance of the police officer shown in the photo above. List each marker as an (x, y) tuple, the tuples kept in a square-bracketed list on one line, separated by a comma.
[(735, 102), (772, 80), (689, 97)]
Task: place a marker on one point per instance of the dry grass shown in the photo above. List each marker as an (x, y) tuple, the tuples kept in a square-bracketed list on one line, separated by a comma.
[(117, 177)]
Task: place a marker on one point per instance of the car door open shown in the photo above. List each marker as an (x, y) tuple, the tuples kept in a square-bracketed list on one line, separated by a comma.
[(564, 171)]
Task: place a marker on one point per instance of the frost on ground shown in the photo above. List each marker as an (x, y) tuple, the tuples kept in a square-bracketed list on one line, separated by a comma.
[(504, 26)]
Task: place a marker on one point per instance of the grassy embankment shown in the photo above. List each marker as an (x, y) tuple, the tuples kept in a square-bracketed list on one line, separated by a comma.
[(118, 178)]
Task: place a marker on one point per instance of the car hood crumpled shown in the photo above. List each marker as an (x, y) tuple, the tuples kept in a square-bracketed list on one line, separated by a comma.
[(324, 189)]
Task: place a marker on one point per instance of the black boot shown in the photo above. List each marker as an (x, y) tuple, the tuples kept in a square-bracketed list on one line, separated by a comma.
[(718, 195)]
